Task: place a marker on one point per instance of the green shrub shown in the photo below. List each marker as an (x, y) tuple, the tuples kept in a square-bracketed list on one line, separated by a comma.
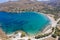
[(54, 35)]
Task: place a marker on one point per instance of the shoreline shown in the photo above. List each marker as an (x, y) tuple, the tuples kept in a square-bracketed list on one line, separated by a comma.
[(52, 21), (47, 29)]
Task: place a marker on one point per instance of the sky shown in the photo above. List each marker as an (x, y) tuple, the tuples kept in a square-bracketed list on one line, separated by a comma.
[(1, 1), (43, 0)]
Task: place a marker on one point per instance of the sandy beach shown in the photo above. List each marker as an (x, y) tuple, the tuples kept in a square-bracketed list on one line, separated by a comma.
[(18, 35)]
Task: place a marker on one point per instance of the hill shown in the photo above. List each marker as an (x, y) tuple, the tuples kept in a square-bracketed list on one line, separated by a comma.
[(51, 7)]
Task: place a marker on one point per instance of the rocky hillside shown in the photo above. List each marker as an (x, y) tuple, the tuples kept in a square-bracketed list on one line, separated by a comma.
[(54, 3), (23, 5), (51, 7)]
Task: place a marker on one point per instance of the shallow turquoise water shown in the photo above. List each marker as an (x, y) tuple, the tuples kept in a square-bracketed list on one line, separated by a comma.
[(29, 22)]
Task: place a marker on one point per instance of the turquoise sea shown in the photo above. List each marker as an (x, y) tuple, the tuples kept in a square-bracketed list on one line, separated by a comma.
[(29, 22)]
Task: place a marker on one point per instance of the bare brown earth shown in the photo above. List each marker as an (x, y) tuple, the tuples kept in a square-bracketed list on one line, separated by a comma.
[(3, 36), (24, 5)]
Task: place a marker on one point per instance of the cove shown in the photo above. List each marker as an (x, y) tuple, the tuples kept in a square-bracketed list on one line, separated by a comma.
[(29, 22)]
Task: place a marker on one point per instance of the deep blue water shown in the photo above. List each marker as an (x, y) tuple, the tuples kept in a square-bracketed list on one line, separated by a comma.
[(29, 22)]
